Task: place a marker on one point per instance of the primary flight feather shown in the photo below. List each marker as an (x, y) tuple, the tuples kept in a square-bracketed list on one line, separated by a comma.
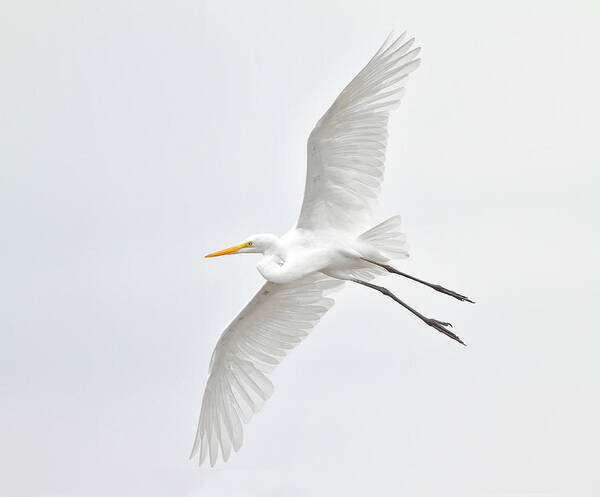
[(330, 244)]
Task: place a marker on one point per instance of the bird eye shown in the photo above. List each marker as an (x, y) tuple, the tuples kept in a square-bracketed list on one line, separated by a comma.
[(250, 244)]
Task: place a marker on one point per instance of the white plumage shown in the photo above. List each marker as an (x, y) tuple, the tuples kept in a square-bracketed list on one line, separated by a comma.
[(346, 150), (330, 244), (275, 321)]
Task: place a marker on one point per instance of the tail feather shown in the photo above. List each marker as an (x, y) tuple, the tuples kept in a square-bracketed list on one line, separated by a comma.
[(387, 238)]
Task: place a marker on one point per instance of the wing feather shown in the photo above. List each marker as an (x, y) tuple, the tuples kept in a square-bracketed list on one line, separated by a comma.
[(346, 149), (275, 321)]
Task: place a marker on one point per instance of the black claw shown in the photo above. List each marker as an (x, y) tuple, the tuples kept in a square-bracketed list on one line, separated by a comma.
[(452, 293), (458, 296), (440, 326)]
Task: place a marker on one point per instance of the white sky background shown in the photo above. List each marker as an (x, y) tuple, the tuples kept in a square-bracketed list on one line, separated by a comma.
[(137, 138)]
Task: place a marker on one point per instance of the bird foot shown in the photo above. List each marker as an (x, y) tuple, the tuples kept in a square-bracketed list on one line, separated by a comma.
[(442, 327), (452, 293)]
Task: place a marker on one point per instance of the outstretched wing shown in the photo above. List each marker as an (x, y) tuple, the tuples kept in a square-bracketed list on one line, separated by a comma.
[(346, 149), (274, 322)]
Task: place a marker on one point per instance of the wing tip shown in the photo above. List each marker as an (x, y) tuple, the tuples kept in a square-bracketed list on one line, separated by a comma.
[(391, 39)]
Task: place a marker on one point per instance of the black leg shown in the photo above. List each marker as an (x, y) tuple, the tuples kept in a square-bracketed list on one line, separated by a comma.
[(440, 326), (438, 288)]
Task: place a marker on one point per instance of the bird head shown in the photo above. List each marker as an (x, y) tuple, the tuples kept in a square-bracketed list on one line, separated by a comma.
[(255, 244)]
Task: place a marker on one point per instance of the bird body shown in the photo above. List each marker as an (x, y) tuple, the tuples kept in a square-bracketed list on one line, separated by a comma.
[(301, 252), (333, 242)]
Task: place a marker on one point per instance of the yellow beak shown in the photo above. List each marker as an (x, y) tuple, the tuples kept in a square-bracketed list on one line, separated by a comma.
[(230, 250)]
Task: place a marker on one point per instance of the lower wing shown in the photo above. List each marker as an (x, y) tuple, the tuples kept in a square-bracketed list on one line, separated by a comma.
[(275, 321)]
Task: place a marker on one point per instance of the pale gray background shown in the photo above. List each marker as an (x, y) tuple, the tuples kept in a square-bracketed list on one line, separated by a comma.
[(138, 136)]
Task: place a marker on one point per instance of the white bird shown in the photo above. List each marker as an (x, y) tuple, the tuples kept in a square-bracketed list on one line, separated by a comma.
[(330, 244)]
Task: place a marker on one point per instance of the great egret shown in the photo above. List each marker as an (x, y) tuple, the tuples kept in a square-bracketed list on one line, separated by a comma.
[(329, 245)]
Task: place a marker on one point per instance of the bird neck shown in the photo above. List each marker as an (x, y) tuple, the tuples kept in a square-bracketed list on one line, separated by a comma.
[(272, 263), (272, 247)]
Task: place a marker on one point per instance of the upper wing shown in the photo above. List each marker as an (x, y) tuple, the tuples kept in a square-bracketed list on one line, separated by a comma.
[(346, 149), (273, 322)]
